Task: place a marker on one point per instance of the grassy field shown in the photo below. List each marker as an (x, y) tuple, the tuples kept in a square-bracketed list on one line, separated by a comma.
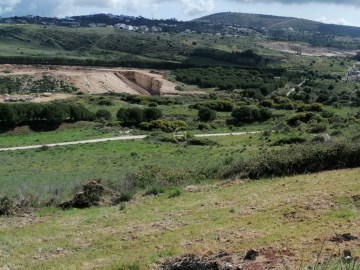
[(299, 213), (60, 170)]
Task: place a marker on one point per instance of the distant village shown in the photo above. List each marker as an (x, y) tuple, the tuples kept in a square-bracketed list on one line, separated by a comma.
[(128, 23)]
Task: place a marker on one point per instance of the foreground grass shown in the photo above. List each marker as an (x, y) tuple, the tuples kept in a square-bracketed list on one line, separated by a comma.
[(298, 213)]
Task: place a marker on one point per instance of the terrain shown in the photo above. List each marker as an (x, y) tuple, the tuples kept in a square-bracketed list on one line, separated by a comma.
[(156, 150), (94, 81), (290, 221)]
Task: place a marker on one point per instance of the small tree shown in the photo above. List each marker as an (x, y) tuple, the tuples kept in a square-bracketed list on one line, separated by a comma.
[(103, 114), (151, 114), (206, 115), (130, 116), (250, 114)]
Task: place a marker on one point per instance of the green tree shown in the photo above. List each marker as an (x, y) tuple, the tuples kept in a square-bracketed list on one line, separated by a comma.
[(151, 114), (103, 114), (206, 115), (130, 116)]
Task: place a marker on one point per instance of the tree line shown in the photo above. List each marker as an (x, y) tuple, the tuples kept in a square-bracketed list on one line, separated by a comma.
[(51, 113)]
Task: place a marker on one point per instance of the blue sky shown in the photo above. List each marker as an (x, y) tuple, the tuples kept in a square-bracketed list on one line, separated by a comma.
[(330, 11)]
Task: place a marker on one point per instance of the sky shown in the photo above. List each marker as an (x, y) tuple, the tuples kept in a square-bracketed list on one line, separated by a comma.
[(329, 11)]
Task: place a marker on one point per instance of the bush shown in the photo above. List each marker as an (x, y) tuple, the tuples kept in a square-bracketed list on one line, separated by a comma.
[(164, 125), (151, 114), (201, 142), (6, 206), (91, 195), (206, 115), (136, 115), (293, 140), (130, 116), (268, 103), (106, 103), (216, 105), (313, 107), (175, 193), (318, 128), (124, 197), (103, 114), (303, 118), (298, 160), (250, 114), (204, 126), (154, 191)]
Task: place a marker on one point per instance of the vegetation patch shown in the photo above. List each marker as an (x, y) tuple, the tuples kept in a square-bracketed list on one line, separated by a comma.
[(91, 195), (299, 160)]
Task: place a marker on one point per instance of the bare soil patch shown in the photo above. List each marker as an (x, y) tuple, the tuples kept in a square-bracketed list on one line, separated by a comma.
[(266, 258), (100, 80), (294, 48)]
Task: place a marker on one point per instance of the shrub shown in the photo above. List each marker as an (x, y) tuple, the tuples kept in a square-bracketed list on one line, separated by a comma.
[(154, 191), (250, 114), (204, 126), (90, 196), (152, 114), (313, 107), (201, 142), (106, 103), (164, 125), (216, 105), (135, 115), (153, 104), (6, 206), (327, 114), (318, 128), (124, 197), (304, 118), (268, 103), (293, 140), (206, 115), (130, 116), (158, 176), (175, 193), (103, 114), (298, 160)]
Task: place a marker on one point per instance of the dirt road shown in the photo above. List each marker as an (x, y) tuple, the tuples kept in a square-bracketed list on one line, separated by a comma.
[(121, 138), (226, 134)]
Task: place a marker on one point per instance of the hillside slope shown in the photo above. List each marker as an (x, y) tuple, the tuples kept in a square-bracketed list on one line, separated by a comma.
[(291, 218), (270, 22)]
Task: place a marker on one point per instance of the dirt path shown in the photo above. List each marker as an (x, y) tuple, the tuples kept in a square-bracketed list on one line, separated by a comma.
[(226, 134), (293, 89), (121, 138)]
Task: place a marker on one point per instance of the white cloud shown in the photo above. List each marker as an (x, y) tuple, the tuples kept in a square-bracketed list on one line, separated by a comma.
[(299, 2), (8, 5), (61, 7), (198, 7), (339, 21)]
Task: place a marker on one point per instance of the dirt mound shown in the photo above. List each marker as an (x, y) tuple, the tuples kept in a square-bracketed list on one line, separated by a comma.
[(266, 258)]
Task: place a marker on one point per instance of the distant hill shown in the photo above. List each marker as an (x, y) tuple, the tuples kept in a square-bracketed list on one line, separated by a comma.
[(268, 22)]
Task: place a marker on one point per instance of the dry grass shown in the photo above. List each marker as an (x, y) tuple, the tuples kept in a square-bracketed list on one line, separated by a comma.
[(299, 213)]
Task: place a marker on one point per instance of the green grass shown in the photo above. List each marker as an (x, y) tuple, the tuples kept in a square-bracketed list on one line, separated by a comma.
[(233, 218), (60, 170), (67, 133)]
